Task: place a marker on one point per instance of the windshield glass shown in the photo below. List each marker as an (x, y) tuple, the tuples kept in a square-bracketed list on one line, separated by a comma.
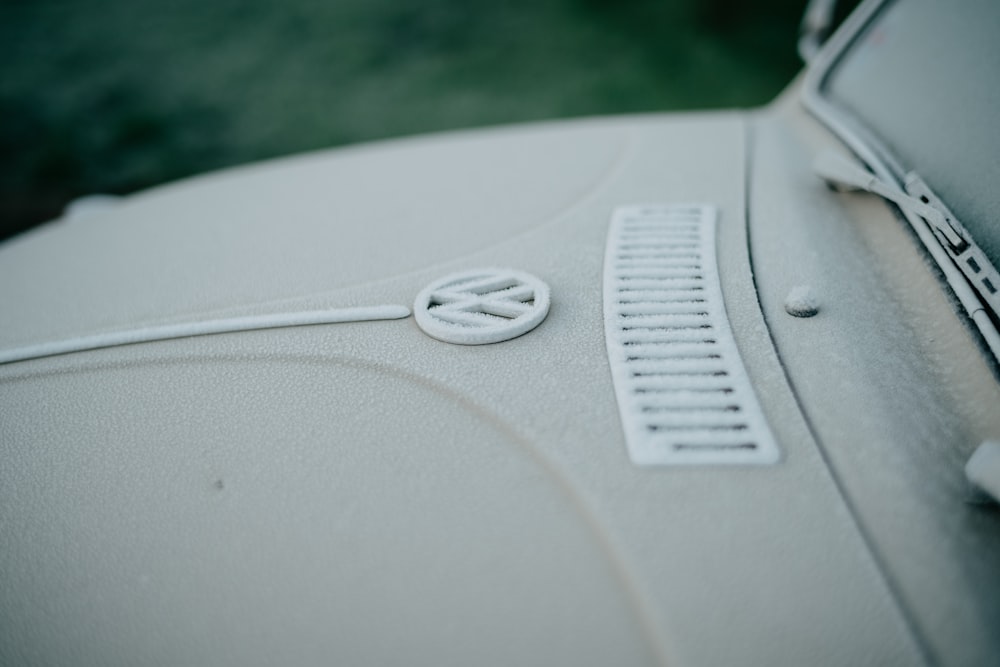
[(922, 77)]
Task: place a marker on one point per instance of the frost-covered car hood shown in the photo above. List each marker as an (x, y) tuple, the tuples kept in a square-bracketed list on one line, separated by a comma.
[(362, 492)]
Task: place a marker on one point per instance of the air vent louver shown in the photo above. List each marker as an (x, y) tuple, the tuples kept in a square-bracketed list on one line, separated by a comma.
[(682, 391)]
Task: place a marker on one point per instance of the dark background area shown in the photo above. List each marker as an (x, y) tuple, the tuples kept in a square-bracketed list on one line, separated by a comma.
[(113, 96)]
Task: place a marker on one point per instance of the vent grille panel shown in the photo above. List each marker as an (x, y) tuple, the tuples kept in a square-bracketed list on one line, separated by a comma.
[(683, 393)]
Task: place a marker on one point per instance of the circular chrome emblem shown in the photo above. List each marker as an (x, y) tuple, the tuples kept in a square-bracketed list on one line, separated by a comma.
[(482, 306)]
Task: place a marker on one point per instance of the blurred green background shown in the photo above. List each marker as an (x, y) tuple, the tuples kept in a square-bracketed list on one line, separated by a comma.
[(113, 96)]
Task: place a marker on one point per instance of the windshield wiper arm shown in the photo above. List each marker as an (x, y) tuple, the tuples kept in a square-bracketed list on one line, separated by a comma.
[(840, 172), (972, 276)]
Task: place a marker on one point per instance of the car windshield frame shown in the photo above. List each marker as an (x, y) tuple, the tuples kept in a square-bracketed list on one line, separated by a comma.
[(870, 148)]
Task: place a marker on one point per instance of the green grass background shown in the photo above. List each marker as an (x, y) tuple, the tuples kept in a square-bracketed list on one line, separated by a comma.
[(112, 96)]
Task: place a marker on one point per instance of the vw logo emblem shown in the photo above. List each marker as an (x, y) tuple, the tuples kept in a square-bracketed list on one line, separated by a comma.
[(482, 306)]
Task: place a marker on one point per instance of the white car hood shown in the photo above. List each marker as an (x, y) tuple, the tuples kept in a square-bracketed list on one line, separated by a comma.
[(364, 493)]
